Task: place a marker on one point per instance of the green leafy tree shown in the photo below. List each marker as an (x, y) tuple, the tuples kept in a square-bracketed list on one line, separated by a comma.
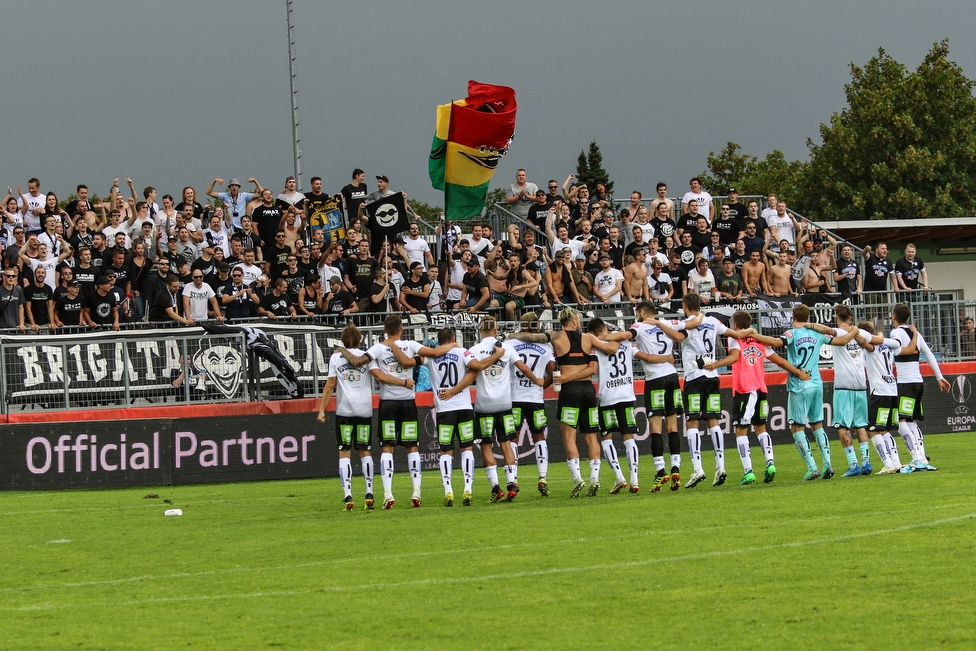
[(905, 147), (494, 196), (750, 175), (589, 168), (427, 213)]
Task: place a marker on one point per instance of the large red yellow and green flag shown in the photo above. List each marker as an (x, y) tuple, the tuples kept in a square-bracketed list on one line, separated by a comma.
[(471, 137)]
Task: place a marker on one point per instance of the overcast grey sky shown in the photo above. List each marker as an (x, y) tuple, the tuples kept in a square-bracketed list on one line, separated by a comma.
[(176, 93)]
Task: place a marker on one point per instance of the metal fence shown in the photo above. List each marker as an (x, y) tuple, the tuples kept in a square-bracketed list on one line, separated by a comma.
[(143, 367)]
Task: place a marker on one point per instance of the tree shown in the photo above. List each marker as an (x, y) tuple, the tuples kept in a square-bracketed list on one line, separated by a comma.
[(428, 214), (589, 169), (494, 196), (905, 147), (749, 175)]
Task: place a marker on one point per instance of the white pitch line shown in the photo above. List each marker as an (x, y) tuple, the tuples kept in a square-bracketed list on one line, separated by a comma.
[(387, 557), (508, 576)]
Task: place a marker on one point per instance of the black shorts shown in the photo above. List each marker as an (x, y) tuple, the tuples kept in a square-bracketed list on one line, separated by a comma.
[(618, 418), (662, 396), (910, 401), (702, 399), (354, 431), (882, 413), (577, 407), (500, 423), (453, 424), (399, 424), (532, 413), (750, 408)]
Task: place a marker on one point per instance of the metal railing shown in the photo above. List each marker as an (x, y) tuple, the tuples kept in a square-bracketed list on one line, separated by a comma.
[(169, 366)]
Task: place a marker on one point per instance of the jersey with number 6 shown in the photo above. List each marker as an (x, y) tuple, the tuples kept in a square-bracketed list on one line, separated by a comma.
[(536, 357), (616, 375), (651, 340), (445, 373), (700, 342)]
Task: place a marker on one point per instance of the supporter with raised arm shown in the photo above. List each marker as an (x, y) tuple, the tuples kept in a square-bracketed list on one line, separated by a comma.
[(235, 200)]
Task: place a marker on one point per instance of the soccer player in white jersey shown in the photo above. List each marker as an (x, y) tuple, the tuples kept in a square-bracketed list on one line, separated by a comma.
[(528, 404), (491, 371), (353, 414), (399, 424), (455, 415), (662, 395), (883, 401), (703, 402), (850, 395), (910, 387), (750, 407), (617, 400)]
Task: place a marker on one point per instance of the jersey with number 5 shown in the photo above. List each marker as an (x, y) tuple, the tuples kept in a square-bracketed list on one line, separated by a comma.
[(445, 373), (536, 357), (701, 342), (651, 340)]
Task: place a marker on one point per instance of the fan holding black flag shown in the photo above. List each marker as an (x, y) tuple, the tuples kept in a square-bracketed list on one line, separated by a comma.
[(387, 217)]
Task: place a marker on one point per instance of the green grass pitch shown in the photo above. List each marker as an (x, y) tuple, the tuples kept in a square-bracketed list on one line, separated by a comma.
[(859, 563)]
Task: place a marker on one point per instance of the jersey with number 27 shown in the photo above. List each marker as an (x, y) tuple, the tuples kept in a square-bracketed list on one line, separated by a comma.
[(803, 351), (536, 357)]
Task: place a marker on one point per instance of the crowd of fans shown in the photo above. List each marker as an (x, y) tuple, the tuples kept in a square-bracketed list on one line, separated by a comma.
[(253, 254)]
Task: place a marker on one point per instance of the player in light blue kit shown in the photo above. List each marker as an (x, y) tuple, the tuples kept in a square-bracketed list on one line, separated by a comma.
[(805, 397)]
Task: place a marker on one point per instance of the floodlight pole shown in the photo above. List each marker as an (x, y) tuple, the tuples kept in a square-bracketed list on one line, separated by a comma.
[(293, 83)]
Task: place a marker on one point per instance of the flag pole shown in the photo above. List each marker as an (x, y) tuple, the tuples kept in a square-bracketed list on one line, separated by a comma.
[(389, 280)]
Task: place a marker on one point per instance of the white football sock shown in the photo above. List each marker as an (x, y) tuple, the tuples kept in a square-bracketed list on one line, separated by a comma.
[(742, 443), (345, 474), (542, 458), (467, 468), (491, 472), (892, 446), (911, 441), (574, 469), (367, 463), (611, 453), (880, 448), (413, 462), (386, 471), (447, 467), (633, 459), (718, 443), (694, 448), (766, 442), (595, 470)]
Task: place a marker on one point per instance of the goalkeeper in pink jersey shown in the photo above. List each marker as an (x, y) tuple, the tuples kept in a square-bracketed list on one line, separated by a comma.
[(746, 357)]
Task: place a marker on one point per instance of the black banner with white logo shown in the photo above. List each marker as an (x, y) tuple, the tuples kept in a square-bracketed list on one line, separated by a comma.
[(387, 217)]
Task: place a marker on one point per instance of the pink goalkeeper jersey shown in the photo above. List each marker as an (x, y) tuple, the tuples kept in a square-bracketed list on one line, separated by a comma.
[(748, 374)]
